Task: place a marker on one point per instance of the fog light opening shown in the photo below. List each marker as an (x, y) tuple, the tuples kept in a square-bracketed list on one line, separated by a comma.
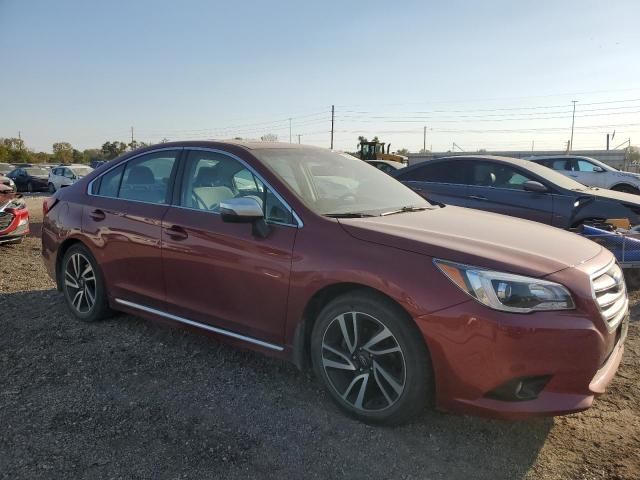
[(520, 389)]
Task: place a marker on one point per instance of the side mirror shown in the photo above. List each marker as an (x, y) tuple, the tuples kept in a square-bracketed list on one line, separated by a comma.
[(245, 210), (598, 169), (533, 186)]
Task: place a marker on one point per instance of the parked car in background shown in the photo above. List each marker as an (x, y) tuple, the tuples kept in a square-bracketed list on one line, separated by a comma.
[(7, 182), (97, 163), (386, 166), (314, 256), (591, 172), (518, 188), (14, 217), (65, 175), (30, 179)]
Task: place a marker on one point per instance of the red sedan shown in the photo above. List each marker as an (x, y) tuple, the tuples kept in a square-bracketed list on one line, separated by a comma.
[(14, 217), (316, 257)]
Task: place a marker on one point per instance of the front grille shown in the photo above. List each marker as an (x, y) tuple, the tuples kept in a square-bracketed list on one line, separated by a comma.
[(610, 294), (5, 220)]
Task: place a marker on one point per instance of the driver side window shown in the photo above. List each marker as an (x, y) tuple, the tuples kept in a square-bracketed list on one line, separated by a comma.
[(211, 178)]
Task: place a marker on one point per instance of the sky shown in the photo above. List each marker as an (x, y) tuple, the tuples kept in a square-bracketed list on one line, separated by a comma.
[(487, 74)]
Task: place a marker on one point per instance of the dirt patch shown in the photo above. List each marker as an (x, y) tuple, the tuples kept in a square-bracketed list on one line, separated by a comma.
[(128, 398)]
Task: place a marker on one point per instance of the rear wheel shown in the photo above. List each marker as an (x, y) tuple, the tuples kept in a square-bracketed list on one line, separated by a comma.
[(83, 285), (626, 189), (52, 188), (371, 358), (30, 188)]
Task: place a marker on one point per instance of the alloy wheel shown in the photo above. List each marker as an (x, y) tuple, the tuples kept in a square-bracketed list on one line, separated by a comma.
[(80, 283), (363, 362)]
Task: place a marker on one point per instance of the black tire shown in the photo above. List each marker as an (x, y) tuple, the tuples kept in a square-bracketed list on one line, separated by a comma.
[(381, 402), (30, 187), (100, 306), (52, 188), (626, 189), (632, 278)]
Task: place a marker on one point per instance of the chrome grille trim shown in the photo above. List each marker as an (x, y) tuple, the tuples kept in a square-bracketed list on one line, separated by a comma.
[(610, 294)]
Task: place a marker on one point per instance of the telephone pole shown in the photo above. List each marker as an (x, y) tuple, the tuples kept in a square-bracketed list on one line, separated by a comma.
[(132, 137), (424, 140), (573, 118), (299, 135), (333, 115), (20, 138), (289, 129)]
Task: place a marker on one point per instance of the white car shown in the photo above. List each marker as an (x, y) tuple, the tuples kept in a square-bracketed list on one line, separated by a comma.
[(591, 172), (65, 175)]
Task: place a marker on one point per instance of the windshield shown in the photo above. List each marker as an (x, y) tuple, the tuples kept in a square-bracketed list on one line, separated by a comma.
[(37, 171), (81, 171), (554, 177), (332, 183)]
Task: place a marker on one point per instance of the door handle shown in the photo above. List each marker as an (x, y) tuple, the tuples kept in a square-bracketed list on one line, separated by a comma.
[(477, 197), (176, 232), (97, 215)]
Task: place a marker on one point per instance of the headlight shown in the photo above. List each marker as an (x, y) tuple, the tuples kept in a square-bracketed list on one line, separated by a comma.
[(506, 291)]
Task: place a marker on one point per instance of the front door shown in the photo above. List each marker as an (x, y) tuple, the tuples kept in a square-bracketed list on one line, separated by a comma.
[(498, 187), (124, 218), (220, 273)]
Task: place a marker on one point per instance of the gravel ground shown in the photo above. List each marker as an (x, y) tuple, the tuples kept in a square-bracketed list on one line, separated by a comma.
[(127, 398)]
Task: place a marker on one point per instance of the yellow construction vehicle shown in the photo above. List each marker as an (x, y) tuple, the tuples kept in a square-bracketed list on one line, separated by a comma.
[(374, 150)]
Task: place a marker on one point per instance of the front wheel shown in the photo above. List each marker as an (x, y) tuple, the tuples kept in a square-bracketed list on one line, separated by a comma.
[(83, 285), (30, 188), (371, 358)]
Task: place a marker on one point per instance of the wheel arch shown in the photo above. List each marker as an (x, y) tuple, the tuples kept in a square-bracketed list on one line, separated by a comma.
[(624, 184), (302, 336), (62, 249)]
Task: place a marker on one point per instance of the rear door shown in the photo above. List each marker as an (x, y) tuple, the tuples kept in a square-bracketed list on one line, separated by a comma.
[(219, 273), (498, 187), (443, 181), (124, 219)]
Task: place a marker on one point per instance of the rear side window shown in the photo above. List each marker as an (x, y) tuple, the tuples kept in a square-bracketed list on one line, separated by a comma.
[(455, 172), (110, 182), (146, 178)]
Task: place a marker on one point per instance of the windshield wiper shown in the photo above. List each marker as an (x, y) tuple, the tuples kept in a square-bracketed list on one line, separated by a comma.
[(408, 208), (349, 215)]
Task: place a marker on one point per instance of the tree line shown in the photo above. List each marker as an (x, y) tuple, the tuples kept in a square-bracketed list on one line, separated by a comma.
[(14, 151)]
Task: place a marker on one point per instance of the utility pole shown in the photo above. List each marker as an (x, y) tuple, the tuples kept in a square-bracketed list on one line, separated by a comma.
[(573, 118), (299, 135), (424, 140), (20, 138), (607, 141), (289, 129), (333, 114), (131, 138), (532, 144)]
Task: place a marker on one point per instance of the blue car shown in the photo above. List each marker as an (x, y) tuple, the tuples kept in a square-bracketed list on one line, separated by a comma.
[(518, 188)]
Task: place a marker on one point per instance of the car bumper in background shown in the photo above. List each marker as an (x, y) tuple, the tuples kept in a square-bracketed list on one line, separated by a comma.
[(14, 224)]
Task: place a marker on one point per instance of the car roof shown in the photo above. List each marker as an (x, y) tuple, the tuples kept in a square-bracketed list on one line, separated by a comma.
[(556, 157), (246, 144), (387, 162), (495, 158)]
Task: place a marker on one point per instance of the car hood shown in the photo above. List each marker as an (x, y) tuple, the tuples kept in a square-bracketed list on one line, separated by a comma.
[(478, 238), (613, 195)]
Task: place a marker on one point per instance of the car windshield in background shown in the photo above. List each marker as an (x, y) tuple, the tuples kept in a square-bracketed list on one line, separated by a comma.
[(36, 171), (337, 184), (554, 177), (82, 171)]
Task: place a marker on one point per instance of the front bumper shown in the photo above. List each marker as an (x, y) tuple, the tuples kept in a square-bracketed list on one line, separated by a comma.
[(476, 350)]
